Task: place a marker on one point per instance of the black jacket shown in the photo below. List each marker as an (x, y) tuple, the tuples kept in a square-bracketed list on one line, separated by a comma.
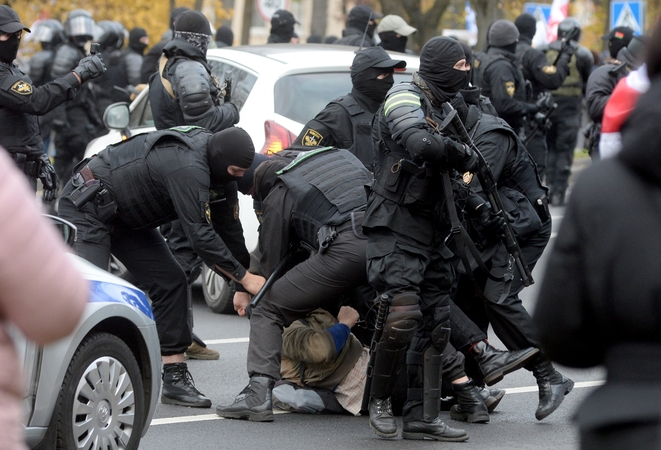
[(354, 36), (543, 75), (21, 103), (599, 301)]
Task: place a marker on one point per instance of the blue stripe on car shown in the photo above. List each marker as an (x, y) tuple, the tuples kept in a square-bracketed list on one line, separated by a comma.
[(102, 291)]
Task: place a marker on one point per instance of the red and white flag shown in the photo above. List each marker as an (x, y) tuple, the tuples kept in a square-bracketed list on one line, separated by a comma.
[(559, 12)]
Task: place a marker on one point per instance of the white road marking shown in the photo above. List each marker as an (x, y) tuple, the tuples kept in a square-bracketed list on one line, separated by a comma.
[(203, 417), (227, 341)]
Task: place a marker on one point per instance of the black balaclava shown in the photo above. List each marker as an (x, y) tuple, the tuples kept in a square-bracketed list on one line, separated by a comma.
[(81, 41), (468, 52), (9, 49), (230, 147), (366, 83), (193, 27), (134, 40), (526, 24), (390, 40), (285, 31), (225, 35), (437, 60)]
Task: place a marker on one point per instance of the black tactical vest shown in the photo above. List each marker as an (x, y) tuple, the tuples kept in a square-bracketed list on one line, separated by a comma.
[(141, 203), (19, 131), (361, 122), (327, 185)]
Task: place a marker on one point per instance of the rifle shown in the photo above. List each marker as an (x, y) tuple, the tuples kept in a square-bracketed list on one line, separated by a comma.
[(539, 123), (381, 315), (227, 87), (454, 125), (277, 273)]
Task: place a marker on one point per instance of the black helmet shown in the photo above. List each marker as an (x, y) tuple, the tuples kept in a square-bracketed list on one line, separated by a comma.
[(567, 26), (109, 34), (79, 23)]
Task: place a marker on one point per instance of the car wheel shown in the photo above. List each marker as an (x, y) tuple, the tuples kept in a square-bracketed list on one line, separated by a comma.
[(217, 292), (101, 404)]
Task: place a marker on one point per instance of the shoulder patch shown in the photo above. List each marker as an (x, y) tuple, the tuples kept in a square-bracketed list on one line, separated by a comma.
[(207, 212), (510, 88), (22, 88), (476, 63), (549, 70), (311, 138)]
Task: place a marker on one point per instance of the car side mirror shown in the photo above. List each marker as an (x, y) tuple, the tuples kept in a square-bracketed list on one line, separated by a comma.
[(117, 116), (67, 229)]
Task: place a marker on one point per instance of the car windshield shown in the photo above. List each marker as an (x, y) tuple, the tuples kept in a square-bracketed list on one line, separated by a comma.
[(301, 97)]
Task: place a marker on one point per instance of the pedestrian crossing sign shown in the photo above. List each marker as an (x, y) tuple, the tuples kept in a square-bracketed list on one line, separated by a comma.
[(541, 11), (628, 14)]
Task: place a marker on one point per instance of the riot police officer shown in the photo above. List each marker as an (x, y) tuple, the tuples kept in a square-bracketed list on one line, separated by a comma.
[(361, 25), (21, 102), (77, 121), (317, 201), (406, 223), (119, 198), (346, 121), (566, 118), (282, 27), (150, 61), (110, 36), (497, 74), (184, 92), (543, 77)]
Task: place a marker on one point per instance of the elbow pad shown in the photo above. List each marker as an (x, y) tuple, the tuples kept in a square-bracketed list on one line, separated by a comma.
[(423, 145), (192, 86)]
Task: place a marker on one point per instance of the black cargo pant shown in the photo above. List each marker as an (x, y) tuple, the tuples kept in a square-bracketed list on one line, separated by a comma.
[(561, 140), (400, 264), (147, 257), (318, 282), (538, 150), (510, 320)]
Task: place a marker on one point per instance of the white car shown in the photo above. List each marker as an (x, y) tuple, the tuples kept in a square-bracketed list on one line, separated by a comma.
[(278, 88), (98, 387)]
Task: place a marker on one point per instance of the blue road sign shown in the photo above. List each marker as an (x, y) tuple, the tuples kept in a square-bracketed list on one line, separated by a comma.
[(628, 14), (539, 10)]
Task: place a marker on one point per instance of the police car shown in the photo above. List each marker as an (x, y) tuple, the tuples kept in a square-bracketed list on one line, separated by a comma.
[(278, 88), (99, 386)]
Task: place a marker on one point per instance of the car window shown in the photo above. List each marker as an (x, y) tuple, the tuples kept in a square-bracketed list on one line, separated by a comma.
[(242, 81), (141, 114), (301, 97)]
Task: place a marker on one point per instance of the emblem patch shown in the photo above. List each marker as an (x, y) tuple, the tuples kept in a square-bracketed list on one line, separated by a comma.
[(549, 70), (236, 211), (22, 88), (510, 88), (467, 177), (312, 138), (476, 64), (207, 212)]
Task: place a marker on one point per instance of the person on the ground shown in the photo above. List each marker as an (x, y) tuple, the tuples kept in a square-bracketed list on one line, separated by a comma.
[(599, 299), (21, 103), (315, 202), (140, 184), (346, 121), (360, 27)]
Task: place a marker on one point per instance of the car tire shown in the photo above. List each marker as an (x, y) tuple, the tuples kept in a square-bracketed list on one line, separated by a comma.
[(218, 294), (102, 397)]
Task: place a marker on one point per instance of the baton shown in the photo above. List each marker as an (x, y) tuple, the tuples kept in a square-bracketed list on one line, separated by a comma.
[(277, 273)]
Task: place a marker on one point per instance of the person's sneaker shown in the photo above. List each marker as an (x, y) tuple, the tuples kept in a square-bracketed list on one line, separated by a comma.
[(436, 430), (253, 403), (382, 422), (196, 351), (491, 397), (179, 388)]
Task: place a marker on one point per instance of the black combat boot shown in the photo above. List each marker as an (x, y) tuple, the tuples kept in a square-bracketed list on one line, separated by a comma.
[(553, 386), (495, 364), (414, 427), (179, 388), (253, 403), (491, 397), (470, 406), (382, 421)]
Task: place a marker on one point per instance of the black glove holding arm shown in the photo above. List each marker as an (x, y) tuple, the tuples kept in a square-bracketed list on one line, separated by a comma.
[(491, 223), (90, 67), (41, 167)]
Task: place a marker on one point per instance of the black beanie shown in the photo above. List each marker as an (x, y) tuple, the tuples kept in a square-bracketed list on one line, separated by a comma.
[(230, 147), (175, 13), (225, 34), (526, 24), (502, 33), (192, 22)]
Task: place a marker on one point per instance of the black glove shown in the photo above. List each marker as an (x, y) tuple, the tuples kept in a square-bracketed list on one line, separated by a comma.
[(532, 108), (491, 223), (462, 157), (545, 101), (41, 167), (567, 48), (90, 67)]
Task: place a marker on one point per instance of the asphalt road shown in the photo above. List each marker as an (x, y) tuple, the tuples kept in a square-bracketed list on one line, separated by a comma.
[(512, 426)]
